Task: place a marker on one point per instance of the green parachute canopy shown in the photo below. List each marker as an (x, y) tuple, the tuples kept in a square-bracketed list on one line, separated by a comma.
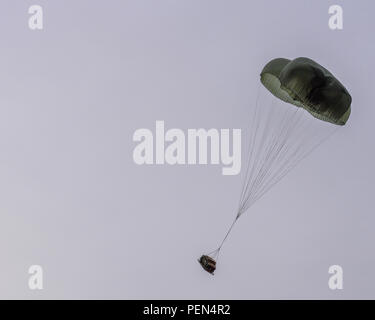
[(308, 85)]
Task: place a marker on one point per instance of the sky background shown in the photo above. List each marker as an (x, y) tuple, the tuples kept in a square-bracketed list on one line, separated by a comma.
[(74, 202)]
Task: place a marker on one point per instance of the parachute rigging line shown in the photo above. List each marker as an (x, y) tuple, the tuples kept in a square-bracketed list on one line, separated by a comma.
[(280, 137)]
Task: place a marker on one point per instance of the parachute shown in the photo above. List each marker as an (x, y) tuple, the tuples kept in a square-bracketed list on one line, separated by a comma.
[(311, 105), (308, 85)]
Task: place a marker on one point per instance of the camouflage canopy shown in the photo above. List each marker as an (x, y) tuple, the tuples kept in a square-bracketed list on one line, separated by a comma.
[(308, 85)]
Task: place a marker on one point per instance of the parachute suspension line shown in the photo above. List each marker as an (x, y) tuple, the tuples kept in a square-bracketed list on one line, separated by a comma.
[(268, 176), (254, 162), (269, 151), (281, 136), (255, 124), (247, 180), (277, 148), (286, 139), (284, 159), (299, 154), (254, 132), (296, 162), (215, 254), (291, 140)]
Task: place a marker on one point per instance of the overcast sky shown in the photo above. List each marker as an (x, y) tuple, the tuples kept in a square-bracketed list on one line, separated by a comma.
[(74, 202)]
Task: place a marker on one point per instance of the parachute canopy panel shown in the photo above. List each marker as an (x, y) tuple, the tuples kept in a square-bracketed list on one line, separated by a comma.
[(306, 84)]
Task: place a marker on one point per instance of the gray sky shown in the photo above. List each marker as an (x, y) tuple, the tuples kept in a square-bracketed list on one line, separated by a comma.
[(74, 202)]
